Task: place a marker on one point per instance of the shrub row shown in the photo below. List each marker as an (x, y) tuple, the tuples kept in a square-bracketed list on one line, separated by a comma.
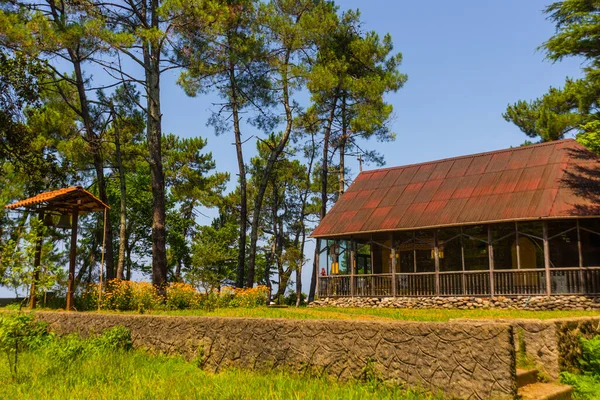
[(119, 295)]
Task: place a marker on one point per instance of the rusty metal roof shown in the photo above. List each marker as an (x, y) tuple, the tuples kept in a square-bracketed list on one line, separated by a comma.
[(549, 180), (62, 200)]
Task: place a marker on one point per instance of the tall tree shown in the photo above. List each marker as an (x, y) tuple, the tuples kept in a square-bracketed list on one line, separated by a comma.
[(228, 56), (353, 72), (58, 30), (574, 108), (292, 29)]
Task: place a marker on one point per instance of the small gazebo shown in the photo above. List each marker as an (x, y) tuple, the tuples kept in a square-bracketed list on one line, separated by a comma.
[(67, 203)]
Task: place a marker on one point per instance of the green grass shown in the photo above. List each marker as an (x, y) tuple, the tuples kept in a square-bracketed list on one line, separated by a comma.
[(375, 313), (137, 375)]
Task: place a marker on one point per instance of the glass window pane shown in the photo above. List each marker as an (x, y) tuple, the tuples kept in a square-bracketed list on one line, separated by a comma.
[(590, 241), (450, 249), (505, 246), (562, 237), (423, 245), (475, 248), (531, 245), (405, 257)]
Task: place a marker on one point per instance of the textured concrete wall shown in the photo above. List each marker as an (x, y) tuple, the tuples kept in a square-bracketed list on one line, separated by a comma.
[(464, 359), (554, 345)]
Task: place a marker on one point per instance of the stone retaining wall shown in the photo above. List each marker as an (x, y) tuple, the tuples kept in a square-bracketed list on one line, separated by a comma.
[(536, 303), (463, 359)]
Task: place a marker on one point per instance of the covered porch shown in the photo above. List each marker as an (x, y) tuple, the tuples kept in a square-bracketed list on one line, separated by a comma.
[(517, 258)]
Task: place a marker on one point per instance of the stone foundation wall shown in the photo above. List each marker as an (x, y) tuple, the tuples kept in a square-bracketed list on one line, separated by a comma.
[(536, 303), (463, 359)]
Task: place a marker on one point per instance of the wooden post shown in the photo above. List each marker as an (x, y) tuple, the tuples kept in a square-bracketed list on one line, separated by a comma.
[(72, 257), (462, 259), (517, 246), (102, 261), (317, 262), (436, 253), (580, 287), (393, 253), (491, 258), (37, 260), (547, 259), (352, 257), (372, 278)]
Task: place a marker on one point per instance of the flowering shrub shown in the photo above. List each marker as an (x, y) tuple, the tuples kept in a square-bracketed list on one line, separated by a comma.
[(119, 295), (181, 296)]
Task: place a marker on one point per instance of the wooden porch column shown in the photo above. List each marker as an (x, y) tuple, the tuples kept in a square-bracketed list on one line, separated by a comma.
[(491, 258), (547, 259), (37, 260), (318, 269), (72, 257), (393, 253), (352, 258), (517, 246), (580, 251), (372, 267), (436, 255)]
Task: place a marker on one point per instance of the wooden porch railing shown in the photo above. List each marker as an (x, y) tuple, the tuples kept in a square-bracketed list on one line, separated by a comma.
[(522, 282)]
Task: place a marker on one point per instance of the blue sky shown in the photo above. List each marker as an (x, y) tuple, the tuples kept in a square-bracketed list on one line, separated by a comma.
[(465, 62)]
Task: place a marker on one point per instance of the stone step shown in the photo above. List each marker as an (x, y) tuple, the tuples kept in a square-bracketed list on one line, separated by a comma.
[(526, 376), (545, 391)]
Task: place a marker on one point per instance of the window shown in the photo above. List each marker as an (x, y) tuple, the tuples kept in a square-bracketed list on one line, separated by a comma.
[(562, 239), (589, 229), (476, 248), (531, 245), (505, 246), (450, 249)]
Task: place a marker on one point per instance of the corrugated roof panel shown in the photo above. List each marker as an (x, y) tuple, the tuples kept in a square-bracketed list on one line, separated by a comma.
[(394, 216), (377, 218), (412, 215), (528, 182), (410, 192), (406, 176), (540, 155), (441, 170), (391, 177), (423, 173), (446, 189), (486, 184), (508, 181), (459, 167), (358, 220), (392, 196), (552, 176), (427, 191), (498, 162), (376, 179), (375, 198), (530, 178), (478, 165), (466, 186), (518, 159)]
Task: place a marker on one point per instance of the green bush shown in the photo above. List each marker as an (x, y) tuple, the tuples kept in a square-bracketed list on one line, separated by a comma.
[(20, 332), (115, 338), (590, 355)]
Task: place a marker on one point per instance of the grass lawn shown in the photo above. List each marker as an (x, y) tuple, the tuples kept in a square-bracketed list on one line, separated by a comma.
[(136, 375), (385, 314)]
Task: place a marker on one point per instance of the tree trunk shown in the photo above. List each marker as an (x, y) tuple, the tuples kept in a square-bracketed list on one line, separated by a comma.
[(154, 130), (264, 181), (324, 193), (242, 173), (123, 204)]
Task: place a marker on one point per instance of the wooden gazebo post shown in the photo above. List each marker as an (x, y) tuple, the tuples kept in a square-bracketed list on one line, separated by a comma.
[(72, 255)]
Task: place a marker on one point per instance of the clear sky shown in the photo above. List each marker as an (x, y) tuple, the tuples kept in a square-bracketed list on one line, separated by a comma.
[(465, 60)]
